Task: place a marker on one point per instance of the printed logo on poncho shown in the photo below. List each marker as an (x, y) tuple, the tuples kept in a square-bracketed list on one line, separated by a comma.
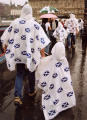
[(46, 73), (51, 86), (39, 49), (16, 45), (16, 30), (17, 60), (32, 50), (37, 37), (43, 84), (64, 79), (43, 107), (52, 112), (33, 61), (56, 101), (60, 90), (23, 37), (27, 30), (10, 29), (12, 55), (58, 64), (22, 22), (24, 53), (64, 105), (70, 94), (54, 75), (66, 69), (47, 97), (7, 51), (36, 26), (42, 40), (31, 40), (28, 55), (11, 41)]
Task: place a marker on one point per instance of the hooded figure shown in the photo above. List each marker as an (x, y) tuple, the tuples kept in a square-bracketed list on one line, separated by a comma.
[(60, 33), (24, 39), (53, 76)]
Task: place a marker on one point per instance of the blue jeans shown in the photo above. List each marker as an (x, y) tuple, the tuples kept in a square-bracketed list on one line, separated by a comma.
[(71, 39), (19, 80)]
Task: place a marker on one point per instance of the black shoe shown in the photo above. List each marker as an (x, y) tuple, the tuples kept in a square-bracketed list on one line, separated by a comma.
[(18, 101)]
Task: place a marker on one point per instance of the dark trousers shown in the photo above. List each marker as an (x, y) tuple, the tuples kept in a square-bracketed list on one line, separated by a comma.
[(19, 80)]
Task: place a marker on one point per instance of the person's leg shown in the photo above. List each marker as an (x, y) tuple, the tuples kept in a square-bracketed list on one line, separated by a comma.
[(73, 40), (19, 82), (69, 41), (31, 79)]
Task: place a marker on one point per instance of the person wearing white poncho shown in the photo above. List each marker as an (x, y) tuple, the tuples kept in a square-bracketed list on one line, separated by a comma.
[(53, 76), (60, 33), (24, 39)]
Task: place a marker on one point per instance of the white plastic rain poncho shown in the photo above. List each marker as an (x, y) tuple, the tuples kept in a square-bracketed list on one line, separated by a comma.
[(72, 24), (24, 38), (53, 76), (60, 33)]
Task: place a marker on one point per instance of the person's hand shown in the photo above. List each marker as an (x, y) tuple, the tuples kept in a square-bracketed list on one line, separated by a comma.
[(4, 48)]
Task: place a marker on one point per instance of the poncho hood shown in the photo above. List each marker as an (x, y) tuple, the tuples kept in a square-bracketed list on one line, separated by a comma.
[(72, 15), (58, 51), (26, 12)]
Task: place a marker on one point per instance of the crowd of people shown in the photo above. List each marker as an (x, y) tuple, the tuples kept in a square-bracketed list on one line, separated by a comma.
[(64, 30), (26, 42)]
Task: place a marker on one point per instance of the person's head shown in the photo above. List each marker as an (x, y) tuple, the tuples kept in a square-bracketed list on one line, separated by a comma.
[(72, 15), (26, 10), (58, 51)]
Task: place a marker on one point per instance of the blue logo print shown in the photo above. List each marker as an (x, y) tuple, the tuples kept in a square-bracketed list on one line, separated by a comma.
[(28, 55), (36, 26), (64, 105), (16, 45), (11, 41), (16, 30), (47, 97), (64, 79), (7, 51), (60, 90), (66, 69), (43, 84), (56, 102), (24, 53), (51, 86), (10, 29), (46, 73), (70, 94), (42, 40), (23, 37), (58, 64), (54, 75), (27, 30), (22, 22), (52, 112)]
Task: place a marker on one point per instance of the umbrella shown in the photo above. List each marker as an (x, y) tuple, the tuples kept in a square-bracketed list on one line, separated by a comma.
[(48, 9), (48, 16), (14, 2)]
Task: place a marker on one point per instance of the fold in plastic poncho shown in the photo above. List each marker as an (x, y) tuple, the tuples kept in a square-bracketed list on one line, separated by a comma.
[(25, 38), (53, 76), (60, 33)]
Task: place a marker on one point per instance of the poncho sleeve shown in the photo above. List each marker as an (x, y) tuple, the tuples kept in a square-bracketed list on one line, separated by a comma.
[(6, 35), (41, 37)]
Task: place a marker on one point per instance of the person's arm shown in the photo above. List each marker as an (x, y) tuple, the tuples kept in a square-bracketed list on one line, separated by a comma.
[(42, 53)]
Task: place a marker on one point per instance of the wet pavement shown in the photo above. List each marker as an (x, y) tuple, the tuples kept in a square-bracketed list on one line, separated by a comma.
[(31, 109)]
